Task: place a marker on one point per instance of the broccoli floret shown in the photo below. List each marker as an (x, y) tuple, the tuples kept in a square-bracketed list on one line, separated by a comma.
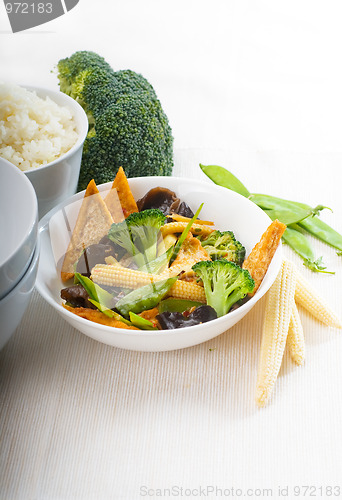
[(225, 283), (127, 125), (138, 234), (224, 245), (120, 235)]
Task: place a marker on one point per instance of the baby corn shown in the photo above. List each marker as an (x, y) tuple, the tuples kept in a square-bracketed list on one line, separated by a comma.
[(295, 337), (314, 304), (279, 304), (116, 275)]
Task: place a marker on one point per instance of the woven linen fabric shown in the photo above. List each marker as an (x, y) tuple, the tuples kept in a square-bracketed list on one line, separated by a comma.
[(82, 420)]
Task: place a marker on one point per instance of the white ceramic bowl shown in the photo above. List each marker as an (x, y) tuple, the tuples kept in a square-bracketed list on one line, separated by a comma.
[(14, 304), (229, 211), (18, 225), (58, 180)]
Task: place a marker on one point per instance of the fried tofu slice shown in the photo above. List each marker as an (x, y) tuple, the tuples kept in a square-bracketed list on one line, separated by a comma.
[(93, 222), (120, 200), (98, 317), (190, 252), (260, 257)]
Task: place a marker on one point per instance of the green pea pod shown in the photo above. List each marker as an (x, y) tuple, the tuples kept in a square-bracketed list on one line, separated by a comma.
[(297, 240), (109, 312), (142, 323), (95, 292), (224, 178), (177, 305), (317, 227), (266, 201), (145, 297), (288, 216), (290, 213)]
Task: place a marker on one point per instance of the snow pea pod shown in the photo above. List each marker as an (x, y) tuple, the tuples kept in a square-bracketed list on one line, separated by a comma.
[(222, 177), (291, 213), (297, 240), (177, 305), (288, 216), (145, 297), (317, 227), (142, 323), (266, 201), (103, 300)]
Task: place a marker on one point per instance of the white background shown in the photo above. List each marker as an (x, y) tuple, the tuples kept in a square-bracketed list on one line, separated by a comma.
[(257, 87), (245, 75)]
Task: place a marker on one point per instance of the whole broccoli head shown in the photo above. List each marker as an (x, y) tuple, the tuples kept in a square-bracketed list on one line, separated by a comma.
[(225, 283), (127, 125), (139, 234), (224, 245)]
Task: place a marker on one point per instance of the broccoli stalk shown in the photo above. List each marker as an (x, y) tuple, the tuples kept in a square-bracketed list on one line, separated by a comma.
[(225, 283), (127, 125), (224, 245), (138, 234)]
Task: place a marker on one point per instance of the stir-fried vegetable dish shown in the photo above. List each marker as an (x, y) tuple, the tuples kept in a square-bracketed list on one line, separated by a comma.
[(153, 263)]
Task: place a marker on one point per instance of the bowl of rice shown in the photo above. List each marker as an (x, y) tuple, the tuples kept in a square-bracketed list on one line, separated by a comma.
[(42, 132)]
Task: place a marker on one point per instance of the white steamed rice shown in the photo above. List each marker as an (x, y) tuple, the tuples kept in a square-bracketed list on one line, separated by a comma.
[(33, 131)]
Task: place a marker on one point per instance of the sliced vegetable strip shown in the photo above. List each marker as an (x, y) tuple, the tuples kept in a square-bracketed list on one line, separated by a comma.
[(181, 218), (185, 233), (178, 227), (295, 337), (279, 304)]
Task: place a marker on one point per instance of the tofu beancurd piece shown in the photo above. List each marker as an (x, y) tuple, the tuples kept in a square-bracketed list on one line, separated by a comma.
[(261, 255)]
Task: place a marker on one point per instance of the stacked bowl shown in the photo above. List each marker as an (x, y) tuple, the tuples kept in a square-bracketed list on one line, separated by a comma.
[(19, 246)]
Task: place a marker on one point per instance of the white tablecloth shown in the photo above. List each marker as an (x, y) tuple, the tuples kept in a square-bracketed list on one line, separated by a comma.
[(254, 87)]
